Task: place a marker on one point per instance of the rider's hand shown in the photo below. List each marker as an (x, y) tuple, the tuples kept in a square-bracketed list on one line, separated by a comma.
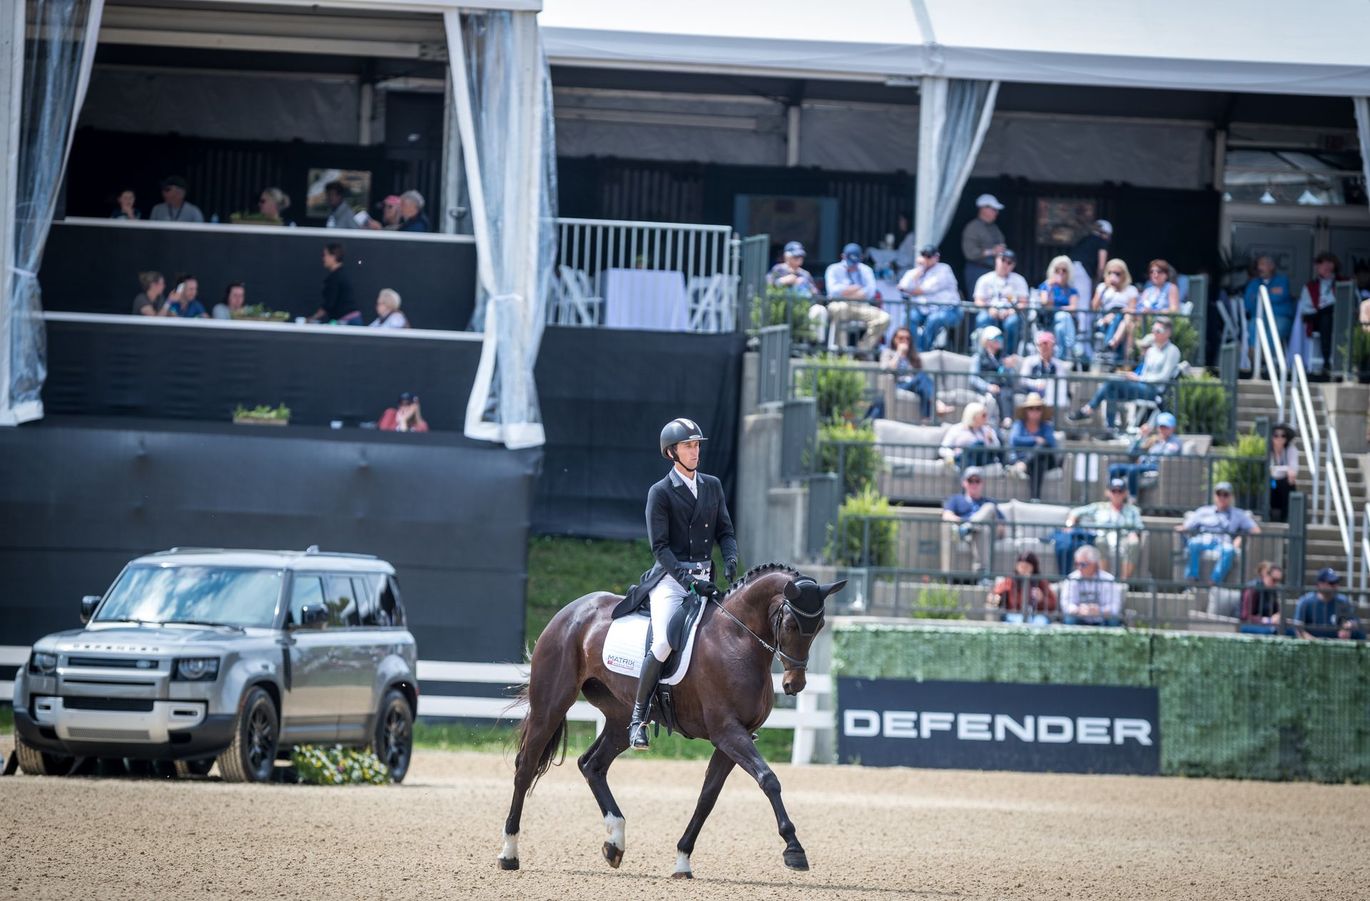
[(705, 589), (730, 570)]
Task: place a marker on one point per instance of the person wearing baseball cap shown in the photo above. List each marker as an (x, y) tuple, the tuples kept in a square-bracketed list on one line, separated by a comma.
[(1326, 612), (1000, 295), (969, 511), (1219, 526), (981, 239), (405, 416), (1119, 531), (174, 207), (1147, 450), (931, 285), (850, 287), (790, 272)]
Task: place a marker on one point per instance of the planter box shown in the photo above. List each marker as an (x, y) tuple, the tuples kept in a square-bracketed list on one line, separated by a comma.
[(253, 420)]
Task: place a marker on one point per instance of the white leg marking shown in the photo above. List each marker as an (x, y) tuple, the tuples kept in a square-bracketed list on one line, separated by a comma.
[(511, 847), (682, 862), (614, 826)]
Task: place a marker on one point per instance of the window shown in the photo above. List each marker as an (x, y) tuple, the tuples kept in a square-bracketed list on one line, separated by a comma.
[(368, 606), (390, 603), (342, 602), (306, 590), (206, 594)]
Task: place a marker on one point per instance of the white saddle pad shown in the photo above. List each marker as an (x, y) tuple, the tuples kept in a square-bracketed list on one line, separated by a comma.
[(627, 640)]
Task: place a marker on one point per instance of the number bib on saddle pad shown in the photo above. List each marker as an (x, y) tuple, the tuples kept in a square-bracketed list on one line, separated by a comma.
[(626, 643)]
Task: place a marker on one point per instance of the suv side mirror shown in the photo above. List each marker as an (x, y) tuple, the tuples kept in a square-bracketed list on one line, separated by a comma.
[(88, 605), (313, 615)]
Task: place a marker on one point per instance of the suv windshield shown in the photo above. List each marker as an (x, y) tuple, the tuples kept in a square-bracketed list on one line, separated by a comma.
[(199, 594)]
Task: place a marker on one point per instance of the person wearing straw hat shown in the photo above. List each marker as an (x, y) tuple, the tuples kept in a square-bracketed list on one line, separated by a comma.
[(1031, 441)]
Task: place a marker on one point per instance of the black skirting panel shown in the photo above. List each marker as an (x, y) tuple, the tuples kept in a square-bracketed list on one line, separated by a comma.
[(450, 514), (93, 268)]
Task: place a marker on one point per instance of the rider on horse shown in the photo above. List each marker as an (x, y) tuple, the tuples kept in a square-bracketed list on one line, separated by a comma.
[(686, 515)]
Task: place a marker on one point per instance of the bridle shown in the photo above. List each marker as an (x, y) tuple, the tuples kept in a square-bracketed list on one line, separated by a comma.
[(777, 620)]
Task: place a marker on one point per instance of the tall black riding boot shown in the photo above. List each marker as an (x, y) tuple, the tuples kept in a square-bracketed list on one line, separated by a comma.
[(637, 732)]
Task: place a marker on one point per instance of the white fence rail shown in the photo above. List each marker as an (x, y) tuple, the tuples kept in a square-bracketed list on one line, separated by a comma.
[(1306, 420), (651, 275), (1339, 498), (805, 719), (1270, 346)]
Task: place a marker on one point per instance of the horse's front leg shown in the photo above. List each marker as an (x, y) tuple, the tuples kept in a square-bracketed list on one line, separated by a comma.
[(720, 765), (736, 742)]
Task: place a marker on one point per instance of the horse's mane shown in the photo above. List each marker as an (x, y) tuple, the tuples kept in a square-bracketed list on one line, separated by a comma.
[(762, 570)]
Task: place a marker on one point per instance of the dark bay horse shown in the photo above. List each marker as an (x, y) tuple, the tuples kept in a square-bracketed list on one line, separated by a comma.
[(725, 697)]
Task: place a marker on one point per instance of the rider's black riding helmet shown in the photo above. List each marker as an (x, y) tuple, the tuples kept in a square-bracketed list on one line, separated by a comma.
[(676, 431)]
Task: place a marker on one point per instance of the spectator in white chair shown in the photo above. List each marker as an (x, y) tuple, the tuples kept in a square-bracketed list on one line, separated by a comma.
[(1159, 366), (937, 303), (850, 287), (1218, 526), (1089, 596), (972, 442), (388, 313)]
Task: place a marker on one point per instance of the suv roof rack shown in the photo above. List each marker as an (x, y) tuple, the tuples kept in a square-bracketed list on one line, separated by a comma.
[(313, 551)]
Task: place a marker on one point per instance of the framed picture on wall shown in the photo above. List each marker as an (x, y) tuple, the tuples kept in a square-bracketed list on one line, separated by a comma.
[(358, 183), (1063, 221), (812, 221)]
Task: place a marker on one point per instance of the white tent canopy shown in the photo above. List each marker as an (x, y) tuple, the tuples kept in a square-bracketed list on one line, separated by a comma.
[(1253, 46)]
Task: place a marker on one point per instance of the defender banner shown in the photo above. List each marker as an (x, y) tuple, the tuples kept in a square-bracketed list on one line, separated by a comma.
[(998, 726)]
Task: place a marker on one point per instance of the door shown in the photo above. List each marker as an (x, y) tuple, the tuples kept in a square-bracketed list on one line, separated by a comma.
[(353, 649), (312, 685)]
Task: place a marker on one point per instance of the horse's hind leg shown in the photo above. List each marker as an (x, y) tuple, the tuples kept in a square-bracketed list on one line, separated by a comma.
[(737, 743), (543, 727), (720, 765), (594, 765)]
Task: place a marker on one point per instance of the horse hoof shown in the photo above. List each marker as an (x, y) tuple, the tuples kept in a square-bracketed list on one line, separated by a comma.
[(685, 875), (796, 860), (613, 854), (508, 863)]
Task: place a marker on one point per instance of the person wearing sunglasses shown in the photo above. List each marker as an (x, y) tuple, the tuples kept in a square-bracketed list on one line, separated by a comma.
[(1119, 527), (1113, 299), (1219, 526), (1147, 382), (970, 512)]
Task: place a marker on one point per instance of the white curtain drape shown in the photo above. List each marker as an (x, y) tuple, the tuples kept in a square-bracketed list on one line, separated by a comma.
[(503, 94), (48, 74), (953, 116), (1363, 132)]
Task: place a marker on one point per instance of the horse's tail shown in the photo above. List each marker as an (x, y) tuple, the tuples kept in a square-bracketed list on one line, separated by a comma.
[(549, 755)]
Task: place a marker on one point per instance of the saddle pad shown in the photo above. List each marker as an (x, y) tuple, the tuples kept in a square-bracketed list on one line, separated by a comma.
[(627, 639)]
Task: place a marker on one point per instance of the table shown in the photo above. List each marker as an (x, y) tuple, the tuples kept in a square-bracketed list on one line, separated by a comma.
[(649, 299)]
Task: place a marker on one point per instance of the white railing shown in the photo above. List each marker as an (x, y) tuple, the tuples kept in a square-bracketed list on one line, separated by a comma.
[(805, 719), (1365, 549), (654, 275), (1306, 421), (1270, 347), (1339, 498)]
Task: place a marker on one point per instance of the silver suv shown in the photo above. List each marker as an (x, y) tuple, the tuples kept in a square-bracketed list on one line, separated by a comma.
[(198, 655)]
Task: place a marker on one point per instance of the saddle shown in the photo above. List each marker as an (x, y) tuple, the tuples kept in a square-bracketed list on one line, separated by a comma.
[(629, 641)]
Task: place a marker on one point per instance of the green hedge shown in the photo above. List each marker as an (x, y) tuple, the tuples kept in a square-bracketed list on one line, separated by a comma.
[(1235, 707)]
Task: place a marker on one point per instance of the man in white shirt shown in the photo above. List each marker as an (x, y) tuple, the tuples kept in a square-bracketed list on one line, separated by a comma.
[(1001, 294), (933, 285), (1089, 596), (1045, 373), (850, 287), (1160, 365)]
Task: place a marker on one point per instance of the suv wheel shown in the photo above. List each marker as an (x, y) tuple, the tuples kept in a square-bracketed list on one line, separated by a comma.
[(40, 763), (252, 756), (393, 743), (199, 767)]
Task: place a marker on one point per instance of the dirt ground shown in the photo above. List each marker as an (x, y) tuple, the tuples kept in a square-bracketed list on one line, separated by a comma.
[(870, 833)]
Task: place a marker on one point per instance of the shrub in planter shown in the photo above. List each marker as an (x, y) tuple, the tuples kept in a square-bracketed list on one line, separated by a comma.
[(838, 388), (1185, 336), (318, 765), (938, 602), (846, 540), (1201, 405), (1360, 353), (857, 463), (262, 415), (781, 306), (1246, 475)]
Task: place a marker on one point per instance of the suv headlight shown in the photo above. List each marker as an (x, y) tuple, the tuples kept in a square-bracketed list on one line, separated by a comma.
[(43, 664), (195, 669)]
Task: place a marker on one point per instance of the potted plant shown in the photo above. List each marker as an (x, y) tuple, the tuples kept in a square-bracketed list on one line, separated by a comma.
[(1360, 353), (261, 313), (261, 415)]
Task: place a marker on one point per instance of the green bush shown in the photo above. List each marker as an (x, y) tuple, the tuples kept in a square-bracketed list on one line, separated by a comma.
[(1185, 336), (836, 385), (1360, 347), (1244, 467), (781, 306), (1201, 406), (938, 602), (860, 462), (846, 545), (317, 765)]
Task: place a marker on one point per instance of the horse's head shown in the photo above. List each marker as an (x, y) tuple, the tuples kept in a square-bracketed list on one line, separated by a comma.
[(801, 617)]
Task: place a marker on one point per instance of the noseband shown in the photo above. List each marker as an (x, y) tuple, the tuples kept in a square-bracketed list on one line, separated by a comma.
[(776, 622)]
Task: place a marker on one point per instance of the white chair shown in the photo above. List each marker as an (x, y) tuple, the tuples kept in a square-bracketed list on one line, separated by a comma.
[(574, 302), (711, 301)]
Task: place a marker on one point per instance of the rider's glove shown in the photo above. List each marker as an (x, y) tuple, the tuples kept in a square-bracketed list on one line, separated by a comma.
[(704, 588), (730, 570)]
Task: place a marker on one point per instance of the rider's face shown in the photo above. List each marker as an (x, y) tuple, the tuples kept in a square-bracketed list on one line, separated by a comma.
[(687, 452)]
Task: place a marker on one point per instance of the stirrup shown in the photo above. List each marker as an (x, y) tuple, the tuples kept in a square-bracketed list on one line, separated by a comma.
[(637, 736)]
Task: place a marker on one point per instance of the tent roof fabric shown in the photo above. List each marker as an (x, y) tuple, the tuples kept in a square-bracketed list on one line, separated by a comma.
[(1253, 46)]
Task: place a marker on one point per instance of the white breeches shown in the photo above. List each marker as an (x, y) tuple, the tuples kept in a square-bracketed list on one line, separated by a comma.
[(665, 599)]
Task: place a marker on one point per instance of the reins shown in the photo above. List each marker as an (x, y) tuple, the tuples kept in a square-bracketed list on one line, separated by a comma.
[(775, 650)]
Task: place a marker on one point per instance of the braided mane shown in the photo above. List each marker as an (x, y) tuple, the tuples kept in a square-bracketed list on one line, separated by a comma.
[(761, 570)]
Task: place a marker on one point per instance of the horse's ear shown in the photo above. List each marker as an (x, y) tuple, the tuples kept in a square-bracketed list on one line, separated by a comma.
[(833, 588), (791, 591)]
